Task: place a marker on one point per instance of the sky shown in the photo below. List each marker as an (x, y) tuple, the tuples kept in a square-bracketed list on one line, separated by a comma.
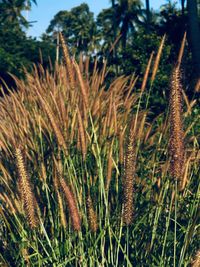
[(46, 9)]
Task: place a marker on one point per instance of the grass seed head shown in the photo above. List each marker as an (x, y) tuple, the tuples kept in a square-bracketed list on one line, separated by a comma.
[(196, 261), (92, 217), (176, 146), (129, 175), (68, 62), (26, 189), (72, 205)]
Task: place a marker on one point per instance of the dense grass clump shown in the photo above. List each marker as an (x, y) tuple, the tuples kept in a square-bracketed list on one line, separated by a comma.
[(87, 179)]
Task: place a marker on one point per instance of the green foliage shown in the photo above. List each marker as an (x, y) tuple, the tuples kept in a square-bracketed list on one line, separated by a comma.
[(17, 51), (11, 11), (78, 27), (122, 19)]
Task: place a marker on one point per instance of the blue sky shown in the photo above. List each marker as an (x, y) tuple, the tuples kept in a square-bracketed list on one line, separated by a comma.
[(46, 9)]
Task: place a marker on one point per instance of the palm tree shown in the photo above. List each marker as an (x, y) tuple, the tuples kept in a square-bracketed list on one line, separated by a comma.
[(194, 34), (114, 19), (11, 11), (78, 27), (128, 12), (120, 19), (148, 15)]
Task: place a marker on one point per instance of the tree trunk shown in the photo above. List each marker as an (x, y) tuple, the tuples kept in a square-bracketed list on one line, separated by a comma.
[(194, 35), (114, 20), (114, 35), (57, 47), (183, 7), (113, 3), (148, 14)]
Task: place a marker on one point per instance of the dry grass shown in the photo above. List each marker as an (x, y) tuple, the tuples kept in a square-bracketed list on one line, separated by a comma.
[(85, 142)]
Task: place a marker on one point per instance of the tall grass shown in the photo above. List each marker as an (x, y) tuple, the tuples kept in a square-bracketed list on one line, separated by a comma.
[(87, 179)]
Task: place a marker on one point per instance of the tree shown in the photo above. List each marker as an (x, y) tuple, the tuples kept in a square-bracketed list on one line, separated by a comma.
[(11, 11), (148, 15), (173, 24), (78, 27), (126, 13), (16, 50), (194, 34), (183, 7)]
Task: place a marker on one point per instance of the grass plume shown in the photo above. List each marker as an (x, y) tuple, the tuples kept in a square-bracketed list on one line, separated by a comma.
[(176, 146), (92, 216), (157, 60), (129, 175), (72, 205), (25, 188), (196, 261), (68, 62)]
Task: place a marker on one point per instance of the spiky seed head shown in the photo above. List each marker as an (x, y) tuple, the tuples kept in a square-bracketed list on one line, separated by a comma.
[(28, 198), (128, 182), (176, 146), (92, 217), (196, 261), (71, 201)]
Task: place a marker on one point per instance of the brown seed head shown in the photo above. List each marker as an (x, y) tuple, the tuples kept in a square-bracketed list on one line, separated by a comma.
[(68, 62), (157, 60), (196, 261), (128, 182), (92, 217), (176, 146), (71, 201), (25, 189)]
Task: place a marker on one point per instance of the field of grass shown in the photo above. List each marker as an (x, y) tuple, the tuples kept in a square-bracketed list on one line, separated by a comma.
[(88, 178)]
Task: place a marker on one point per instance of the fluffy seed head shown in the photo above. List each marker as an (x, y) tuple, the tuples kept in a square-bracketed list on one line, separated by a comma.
[(71, 201), (25, 189), (176, 146), (92, 217), (196, 261), (128, 182)]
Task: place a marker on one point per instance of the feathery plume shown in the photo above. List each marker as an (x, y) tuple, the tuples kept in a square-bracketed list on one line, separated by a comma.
[(60, 203), (92, 217), (109, 168), (176, 145), (25, 189), (109, 113), (121, 146), (82, 86), (157, 60), (129, 175), (144, 82), (68, 62), (71, 201), (56, 186), (181, 51), (103, 72), (61, 209), (197, 86), (82, 135), (130, 88), (196, 261)]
